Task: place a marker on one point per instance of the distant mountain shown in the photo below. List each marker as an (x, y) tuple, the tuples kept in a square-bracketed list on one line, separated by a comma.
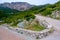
[(45, 10), (5, 12), (8, 10), (21, 6)]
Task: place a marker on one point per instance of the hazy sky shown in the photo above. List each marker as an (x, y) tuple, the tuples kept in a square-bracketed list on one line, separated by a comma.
[(35, 2)]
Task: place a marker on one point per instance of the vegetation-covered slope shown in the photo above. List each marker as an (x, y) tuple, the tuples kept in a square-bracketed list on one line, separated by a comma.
[(42, 9), (5, 12), (45, 9)]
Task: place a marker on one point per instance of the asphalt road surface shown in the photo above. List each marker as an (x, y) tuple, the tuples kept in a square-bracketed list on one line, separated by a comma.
[(5, 34), (56, 24)]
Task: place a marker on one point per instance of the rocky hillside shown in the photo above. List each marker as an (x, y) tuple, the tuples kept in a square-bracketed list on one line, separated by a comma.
[(21, 6)]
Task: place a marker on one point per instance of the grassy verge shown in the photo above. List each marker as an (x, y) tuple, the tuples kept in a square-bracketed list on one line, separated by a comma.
[(35, 27)]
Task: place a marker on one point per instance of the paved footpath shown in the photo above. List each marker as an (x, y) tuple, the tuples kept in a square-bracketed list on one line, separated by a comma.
[(5, 34)]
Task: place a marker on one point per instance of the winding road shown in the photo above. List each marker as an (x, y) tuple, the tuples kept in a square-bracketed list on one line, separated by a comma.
[(6, 34), (56, 24)]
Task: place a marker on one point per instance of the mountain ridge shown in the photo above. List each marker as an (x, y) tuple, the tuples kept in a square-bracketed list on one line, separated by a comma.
[(21, 6)]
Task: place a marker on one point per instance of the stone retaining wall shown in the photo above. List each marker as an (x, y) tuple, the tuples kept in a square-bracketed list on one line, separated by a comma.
[(35, 34)]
